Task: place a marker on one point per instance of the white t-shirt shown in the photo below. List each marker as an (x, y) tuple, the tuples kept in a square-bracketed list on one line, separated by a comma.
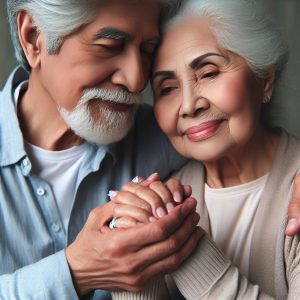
[(60, 169), (232, 214)]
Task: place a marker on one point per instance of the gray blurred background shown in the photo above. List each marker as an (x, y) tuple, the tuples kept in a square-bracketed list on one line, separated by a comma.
[(285, 106)]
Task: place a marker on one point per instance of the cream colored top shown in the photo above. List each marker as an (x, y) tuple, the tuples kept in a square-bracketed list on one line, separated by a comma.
[(232, 213), (274, 270)]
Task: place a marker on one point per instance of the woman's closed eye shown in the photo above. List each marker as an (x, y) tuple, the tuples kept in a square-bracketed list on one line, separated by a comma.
[(164, 86), (210, 74), (166, 90)]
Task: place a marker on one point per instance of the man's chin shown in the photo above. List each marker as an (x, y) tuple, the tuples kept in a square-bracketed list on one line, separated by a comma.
[(104, 136), (105, 128)]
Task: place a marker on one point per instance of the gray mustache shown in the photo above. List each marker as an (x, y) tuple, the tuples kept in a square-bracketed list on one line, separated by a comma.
[(120, 96)]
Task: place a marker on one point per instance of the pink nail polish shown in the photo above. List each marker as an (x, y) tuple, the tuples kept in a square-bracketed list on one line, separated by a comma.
[(292, 224), (170, 206), (161, 212), (177, 197), (152, 219)]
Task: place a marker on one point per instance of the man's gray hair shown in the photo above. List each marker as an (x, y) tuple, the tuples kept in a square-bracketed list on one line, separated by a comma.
[(59, 18), (242, 27)]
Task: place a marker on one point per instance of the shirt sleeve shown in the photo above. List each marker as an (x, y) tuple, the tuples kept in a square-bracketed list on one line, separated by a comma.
[(292, 261), (207, 274), (49, 279)]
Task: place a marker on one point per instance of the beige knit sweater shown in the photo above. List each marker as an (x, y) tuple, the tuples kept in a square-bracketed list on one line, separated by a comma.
[(274, 260)]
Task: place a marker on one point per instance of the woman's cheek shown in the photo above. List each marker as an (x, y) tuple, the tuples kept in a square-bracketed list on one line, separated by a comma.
[(165, 116), (241, 128), (232, 97)]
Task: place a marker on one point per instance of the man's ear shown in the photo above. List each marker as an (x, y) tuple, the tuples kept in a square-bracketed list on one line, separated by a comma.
[(30, 39), (269, 86)]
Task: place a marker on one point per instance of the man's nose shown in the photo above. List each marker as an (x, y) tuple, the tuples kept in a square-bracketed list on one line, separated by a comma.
[(131, 73), (192, 100)]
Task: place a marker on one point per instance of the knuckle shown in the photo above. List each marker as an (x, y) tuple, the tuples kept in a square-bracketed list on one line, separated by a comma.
[(152, 198), (159, 231), (175, 261), (133, 268), (136, 281), (173, 181), (172, 244), (94, 215), (112, 248), (147, 207), (127, 186), (155, 184)]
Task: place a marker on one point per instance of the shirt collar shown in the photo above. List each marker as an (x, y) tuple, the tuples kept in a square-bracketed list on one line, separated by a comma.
[(11, 138), (12, 147)]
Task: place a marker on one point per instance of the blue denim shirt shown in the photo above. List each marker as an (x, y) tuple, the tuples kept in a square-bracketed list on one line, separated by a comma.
[(33, 264)]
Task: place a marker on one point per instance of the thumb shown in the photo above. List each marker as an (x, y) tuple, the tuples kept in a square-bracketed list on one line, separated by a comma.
[(293, 226)]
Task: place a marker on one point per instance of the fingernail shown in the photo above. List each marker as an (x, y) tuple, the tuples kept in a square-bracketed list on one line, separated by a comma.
[(292, 224), (135, 179), (170, 206), (152, 219), (152, 176), (112, 194), (177, 197), (160, 212)]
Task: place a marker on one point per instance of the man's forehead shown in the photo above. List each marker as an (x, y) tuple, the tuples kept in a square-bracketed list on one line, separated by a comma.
[(120, 20), (117, 34)]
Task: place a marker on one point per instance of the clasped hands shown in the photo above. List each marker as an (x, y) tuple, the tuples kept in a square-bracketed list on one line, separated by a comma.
[(157, 232), (142, 201)]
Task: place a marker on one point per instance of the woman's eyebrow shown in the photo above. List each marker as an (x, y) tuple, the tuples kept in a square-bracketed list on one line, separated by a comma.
[(196, 62)]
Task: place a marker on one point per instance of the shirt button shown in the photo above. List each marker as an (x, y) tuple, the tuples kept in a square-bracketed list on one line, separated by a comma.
[(40, 191), (25, 162), (55, 227)]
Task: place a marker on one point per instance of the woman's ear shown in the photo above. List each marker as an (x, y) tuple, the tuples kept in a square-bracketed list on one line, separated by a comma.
[(269, 86), (30, 39)]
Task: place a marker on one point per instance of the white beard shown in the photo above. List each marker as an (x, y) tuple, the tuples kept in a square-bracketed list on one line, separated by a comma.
[(111, 125)]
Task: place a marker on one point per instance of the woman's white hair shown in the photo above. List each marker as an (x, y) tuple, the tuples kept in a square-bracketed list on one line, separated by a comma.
[(59, 18), (242, 27)]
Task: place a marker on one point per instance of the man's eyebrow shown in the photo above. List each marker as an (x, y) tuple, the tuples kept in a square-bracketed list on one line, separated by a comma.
[(195, 63), (112, 33), (168, 74)]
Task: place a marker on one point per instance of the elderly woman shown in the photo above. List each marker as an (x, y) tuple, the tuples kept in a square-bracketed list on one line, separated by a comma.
[(214, 73)]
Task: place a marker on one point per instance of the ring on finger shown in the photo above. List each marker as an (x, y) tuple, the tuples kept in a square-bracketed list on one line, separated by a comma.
[(113, 223)]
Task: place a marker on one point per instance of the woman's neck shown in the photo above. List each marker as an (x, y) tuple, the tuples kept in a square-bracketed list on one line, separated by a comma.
[(246, 164)]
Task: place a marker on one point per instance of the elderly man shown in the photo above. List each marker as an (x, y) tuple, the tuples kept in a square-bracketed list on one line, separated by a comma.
[(63, 147), (71, 129)]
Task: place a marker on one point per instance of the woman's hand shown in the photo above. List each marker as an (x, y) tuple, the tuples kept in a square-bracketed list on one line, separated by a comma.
[(145, 200), (293, 226)]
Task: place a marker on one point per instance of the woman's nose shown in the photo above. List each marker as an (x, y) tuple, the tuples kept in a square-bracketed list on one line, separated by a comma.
[(192, 102)]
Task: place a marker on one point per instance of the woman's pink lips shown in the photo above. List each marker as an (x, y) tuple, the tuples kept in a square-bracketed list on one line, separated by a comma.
[(204, 130)]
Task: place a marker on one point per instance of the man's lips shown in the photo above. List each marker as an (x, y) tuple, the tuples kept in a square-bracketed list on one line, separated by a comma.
[(117, 106), (204, 130)]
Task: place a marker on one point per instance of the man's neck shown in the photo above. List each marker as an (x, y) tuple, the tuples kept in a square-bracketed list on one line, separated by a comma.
[(40, 121)]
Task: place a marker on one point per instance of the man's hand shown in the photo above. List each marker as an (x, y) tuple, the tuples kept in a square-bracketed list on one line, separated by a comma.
[(128, 259), (293, 226)]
